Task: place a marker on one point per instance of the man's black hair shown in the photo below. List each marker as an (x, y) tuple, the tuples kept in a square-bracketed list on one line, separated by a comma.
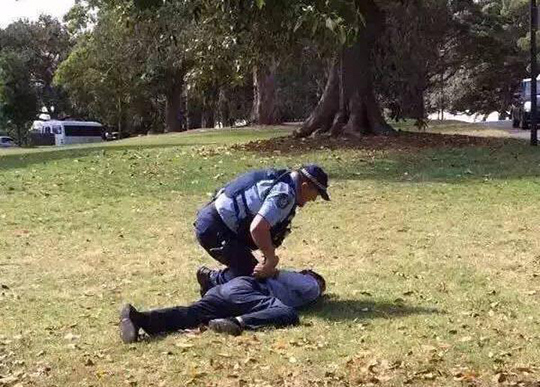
[(318, 277)]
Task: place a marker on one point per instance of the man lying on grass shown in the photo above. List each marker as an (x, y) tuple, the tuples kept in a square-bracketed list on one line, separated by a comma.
[(242, 303)]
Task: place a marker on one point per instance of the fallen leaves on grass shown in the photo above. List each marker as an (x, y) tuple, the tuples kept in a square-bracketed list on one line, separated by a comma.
[(404, 141), (364, 368)]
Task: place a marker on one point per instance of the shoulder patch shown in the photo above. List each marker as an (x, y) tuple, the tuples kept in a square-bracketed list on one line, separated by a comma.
[(283, 201)]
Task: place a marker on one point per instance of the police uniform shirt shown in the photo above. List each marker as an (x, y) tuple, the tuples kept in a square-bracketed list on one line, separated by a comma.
[(277, 205), (293, 289)]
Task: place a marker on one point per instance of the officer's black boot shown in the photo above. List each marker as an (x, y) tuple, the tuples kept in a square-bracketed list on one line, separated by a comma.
[(203, 278), (230, 326), (130, 320)]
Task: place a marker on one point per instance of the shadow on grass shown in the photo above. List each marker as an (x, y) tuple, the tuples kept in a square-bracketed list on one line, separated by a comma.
[(333, 309), (450, 165), (380, 159), (18, 160), (411, 157)]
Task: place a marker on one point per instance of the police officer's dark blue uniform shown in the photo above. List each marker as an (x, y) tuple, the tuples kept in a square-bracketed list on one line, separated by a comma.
[(223, 226)]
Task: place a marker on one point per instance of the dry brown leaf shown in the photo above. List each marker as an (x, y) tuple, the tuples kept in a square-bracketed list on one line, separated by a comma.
[(184, 345), (499, 377), (280, 344), (429, 376), (71, 336), (8, 380), (524, 369), (372, 366), (429, 348), (465, 376)]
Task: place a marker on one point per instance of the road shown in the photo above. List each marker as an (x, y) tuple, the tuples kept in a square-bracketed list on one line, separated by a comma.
[(507, 127)]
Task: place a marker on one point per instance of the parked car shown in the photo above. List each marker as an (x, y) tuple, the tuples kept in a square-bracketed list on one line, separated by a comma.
[(7, 142), (111, 136)]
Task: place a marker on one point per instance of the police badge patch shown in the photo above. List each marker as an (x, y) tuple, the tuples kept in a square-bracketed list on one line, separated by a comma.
[(283, 201)]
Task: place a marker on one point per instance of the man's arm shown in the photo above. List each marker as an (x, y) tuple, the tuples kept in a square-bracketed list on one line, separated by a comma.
[(260, 232)]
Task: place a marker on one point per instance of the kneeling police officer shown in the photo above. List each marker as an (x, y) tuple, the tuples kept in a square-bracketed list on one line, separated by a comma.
[(254, 212)]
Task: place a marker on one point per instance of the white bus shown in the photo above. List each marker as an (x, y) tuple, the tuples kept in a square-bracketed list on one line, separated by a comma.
[(71, 132)]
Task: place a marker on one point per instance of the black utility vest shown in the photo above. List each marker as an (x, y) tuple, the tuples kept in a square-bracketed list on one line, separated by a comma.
[(239, 186)]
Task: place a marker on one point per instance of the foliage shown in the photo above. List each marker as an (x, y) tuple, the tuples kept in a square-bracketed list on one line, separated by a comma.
[(97, 74), (300, 83), (45, 44), (240, 36), (493, 59), (132, 56), (18, 97), (30, 53), (128, 61), (419, 37)]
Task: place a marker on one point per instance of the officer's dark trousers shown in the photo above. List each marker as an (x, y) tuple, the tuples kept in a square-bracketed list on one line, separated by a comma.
[(223, 245), (243, 297)]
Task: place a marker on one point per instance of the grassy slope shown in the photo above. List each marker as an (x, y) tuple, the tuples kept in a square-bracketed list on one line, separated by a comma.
[(431, 257)]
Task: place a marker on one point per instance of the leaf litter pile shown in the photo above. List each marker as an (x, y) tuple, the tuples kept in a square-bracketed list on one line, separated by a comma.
[(403, 141)]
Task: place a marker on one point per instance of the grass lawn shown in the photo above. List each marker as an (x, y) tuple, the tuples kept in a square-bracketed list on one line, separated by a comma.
[(432, 257)]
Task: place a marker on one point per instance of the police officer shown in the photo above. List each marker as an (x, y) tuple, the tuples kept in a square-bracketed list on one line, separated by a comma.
[(254, 212)]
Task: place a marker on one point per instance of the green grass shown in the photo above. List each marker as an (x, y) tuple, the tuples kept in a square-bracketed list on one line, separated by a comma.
[(432, 261)]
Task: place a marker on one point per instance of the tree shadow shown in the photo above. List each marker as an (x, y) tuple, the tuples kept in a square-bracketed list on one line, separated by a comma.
[(411, 157), (401, 159), (329, 307), (18, 160), (514, 161)]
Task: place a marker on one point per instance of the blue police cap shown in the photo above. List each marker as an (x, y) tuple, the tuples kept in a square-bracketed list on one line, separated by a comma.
[(318, 177)]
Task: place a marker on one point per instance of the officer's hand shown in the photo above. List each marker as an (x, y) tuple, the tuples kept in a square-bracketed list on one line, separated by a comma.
[(264, 271)]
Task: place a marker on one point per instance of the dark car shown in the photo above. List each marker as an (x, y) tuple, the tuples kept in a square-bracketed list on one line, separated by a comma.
[(7, 142), (111, 136)]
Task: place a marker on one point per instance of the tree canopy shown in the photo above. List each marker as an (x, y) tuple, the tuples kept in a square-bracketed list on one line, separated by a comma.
[(344, 67), (30, 53)]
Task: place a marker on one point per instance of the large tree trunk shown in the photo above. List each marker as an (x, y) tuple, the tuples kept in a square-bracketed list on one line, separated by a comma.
[(224, 111), (209, 103), (19, 136), (348, 105), (264, 110), (121, 119), (174, 115), (207, 119)]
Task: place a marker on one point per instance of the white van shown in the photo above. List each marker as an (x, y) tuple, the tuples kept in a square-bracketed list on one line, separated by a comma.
[(71, 132)]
